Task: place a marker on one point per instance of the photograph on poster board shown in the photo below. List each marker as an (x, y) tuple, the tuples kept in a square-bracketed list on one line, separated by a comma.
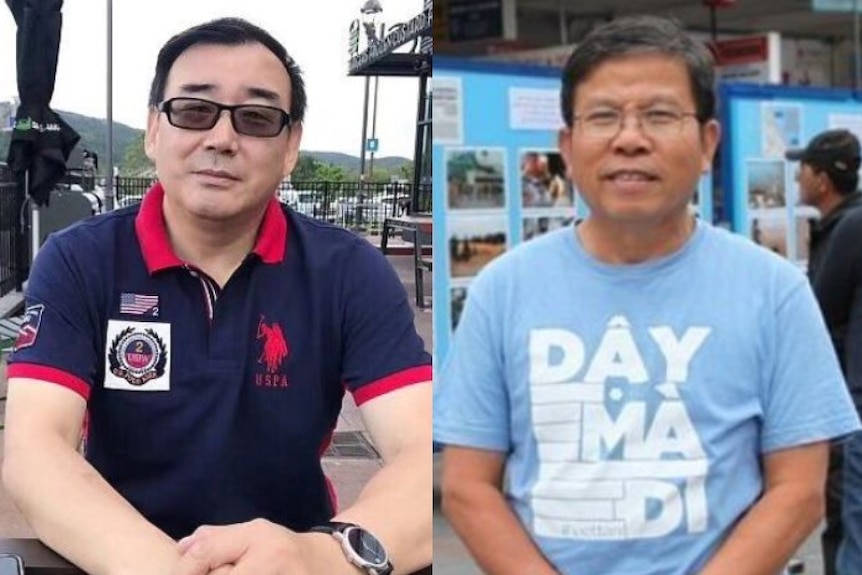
[(447, 111), (457, 299), (543, 180), (770, 232), (537, 226), (782, 128), (475, 241), (476, 178), (766, 184)]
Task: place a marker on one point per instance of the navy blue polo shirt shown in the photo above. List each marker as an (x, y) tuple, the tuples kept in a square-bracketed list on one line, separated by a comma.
[(210, 405)]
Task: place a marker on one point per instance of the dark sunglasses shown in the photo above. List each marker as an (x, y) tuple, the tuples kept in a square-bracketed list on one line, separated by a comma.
[(248, 119)]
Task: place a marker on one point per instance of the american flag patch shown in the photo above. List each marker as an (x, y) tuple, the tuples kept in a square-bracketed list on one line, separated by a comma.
[(137, 304)]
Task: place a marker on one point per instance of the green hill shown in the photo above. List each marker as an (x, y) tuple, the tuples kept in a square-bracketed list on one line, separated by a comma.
[(352, 163)]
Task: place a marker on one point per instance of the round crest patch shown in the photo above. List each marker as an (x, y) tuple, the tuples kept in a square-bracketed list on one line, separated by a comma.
[(137, 356)]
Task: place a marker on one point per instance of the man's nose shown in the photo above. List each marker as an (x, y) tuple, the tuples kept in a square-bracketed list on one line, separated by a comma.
[(222, 135), (631, 135)]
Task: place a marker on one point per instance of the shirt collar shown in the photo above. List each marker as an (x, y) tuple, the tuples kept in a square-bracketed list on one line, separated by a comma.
[(156, 247)]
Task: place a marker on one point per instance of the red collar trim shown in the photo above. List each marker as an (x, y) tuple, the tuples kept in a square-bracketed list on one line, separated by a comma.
[(272, 238), (152, 233), (156, 247)]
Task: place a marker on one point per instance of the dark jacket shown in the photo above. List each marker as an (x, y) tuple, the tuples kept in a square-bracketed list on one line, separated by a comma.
[(835, 271)]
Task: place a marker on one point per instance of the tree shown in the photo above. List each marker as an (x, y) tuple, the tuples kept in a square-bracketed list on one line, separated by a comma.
[(135, 161), (406, 171), (329, 172), (304, 169), (380, 175), (309, 169)]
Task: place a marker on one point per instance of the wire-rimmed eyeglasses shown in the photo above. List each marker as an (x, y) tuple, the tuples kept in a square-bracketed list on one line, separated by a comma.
[(248, 119), (606, 123)]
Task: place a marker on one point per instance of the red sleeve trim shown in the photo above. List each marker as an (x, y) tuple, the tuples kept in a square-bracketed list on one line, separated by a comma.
[(392, 382), (50, 374)]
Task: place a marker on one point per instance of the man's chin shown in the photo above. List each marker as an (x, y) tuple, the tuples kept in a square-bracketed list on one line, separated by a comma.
[(214, 205), (214, 211)]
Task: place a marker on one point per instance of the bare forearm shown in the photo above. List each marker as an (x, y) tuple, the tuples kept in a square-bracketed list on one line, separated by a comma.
[(395, 505), (481, 516), (765, 540), (75, 512)]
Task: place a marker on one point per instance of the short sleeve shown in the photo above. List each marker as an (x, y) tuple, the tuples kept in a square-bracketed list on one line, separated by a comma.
[(471, 401), (381, 349), (57, 342), (806, 398)]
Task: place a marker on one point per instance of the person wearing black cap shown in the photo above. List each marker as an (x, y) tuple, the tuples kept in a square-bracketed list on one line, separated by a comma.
[(828, 179)]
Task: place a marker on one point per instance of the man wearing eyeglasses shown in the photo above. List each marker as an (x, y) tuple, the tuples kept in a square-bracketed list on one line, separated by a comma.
[(209, 336), (665, 407)]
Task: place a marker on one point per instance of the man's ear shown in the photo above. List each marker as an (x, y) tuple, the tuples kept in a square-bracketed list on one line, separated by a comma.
[(710, 136), (291, 155), (152, 134)]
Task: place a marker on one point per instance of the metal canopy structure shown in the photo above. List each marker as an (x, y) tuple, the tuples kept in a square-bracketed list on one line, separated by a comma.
[(397, 65), (380, 59), (793, 18), (467, 28)]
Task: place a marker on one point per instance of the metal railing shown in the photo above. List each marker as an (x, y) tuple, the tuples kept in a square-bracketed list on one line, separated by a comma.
[(353, 205), (349, 204)]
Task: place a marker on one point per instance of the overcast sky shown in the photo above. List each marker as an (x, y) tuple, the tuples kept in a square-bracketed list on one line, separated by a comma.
[(314, 32)]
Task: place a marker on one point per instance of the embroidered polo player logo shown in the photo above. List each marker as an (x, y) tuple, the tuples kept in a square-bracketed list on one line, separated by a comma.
[(273, 353)]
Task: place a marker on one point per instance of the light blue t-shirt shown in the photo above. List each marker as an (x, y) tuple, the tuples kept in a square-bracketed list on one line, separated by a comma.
[(634, 403)]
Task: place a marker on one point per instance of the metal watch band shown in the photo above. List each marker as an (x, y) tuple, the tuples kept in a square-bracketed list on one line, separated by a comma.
[(338, 527)]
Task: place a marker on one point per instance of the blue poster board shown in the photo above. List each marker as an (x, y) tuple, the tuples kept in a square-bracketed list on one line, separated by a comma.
[(761, 195), (496, 126), (477, 178)]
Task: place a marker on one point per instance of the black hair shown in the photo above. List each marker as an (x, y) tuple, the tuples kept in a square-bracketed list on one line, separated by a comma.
[(641, 35), (228, 32), (845, 183)]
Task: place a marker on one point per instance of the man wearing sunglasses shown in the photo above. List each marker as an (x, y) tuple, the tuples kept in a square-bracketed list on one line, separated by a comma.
[(209, 335)]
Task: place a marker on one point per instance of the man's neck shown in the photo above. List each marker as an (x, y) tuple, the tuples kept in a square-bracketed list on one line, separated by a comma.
[(830, 203), (217, 248), (622, 243)]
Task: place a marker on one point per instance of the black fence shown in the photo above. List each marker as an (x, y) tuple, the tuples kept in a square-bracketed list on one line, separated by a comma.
[(348, 204), (14, 259)]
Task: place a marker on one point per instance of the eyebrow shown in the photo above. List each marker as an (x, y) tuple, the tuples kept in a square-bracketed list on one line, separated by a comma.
[(612, 102), (252, 92)]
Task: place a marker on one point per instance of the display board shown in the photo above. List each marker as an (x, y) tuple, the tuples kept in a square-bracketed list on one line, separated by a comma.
[(489, 119), (760, 123), (499, 178)]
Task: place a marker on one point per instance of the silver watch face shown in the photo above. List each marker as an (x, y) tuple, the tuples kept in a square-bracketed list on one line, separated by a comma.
[(366, 546)]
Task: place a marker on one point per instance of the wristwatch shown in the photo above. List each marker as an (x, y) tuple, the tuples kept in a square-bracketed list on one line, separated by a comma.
[(361, 547)]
